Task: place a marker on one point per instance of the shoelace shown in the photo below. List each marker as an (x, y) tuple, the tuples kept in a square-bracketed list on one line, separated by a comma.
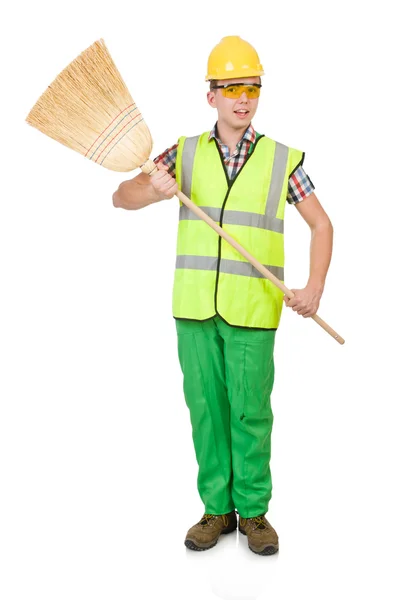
[(206, 519), (260, 522)]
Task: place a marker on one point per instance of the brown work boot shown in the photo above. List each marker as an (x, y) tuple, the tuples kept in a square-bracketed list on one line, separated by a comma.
[(205, 533), (262, 538)]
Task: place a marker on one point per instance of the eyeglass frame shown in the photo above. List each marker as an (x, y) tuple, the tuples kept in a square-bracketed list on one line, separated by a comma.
[(216, 87), (226, 85)]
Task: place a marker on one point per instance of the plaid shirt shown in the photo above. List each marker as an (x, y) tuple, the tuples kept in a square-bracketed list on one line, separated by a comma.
[(299, 184)]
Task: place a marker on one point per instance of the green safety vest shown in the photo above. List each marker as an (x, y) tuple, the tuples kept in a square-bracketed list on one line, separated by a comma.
[(211, 277)]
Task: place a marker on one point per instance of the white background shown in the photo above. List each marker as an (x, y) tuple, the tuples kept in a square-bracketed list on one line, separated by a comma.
[(98, 473)]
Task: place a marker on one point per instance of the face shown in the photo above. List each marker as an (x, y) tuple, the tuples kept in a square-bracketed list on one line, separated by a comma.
[(234, 112)]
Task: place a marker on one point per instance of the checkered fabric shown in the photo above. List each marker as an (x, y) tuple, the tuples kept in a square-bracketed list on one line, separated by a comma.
[(299, 184)]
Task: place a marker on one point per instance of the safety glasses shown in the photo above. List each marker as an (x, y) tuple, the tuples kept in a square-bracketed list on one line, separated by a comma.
[(234, 90)]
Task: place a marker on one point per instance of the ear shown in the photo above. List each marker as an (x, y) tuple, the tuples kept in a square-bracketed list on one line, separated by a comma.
[(211, 98)]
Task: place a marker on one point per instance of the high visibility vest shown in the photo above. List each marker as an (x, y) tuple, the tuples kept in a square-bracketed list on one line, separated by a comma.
[(211, 277)]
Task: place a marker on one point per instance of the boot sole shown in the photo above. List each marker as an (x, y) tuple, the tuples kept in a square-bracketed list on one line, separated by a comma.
[(193, 546), (267, 550)]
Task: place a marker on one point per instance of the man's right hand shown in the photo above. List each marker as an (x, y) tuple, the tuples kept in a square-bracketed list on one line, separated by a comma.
[(163, 184)]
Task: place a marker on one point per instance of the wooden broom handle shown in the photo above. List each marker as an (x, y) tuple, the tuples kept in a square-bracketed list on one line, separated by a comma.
[(202, 215)]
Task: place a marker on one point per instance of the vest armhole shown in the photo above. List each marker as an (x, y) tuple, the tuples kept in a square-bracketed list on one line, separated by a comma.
[(300, 163), (178, 162)]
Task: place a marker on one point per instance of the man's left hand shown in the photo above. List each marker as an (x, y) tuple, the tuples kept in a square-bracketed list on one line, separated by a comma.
[(305, 302)]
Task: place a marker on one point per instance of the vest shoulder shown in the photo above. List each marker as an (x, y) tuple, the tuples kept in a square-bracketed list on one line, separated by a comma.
[(199, 135), (274, 141), (192, 139)]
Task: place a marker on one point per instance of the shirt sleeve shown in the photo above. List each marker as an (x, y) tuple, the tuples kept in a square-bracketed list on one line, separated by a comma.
[(299, 186), (168, 158)]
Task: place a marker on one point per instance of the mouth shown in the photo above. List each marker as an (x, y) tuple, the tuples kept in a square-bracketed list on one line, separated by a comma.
[(241, 113)]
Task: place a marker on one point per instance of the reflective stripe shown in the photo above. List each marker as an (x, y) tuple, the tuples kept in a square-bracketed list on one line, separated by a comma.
[(233, 267), (189, 150), (235, 217), (186, 214), (249, 219), (276, 183), (236, 267), (189, 261)]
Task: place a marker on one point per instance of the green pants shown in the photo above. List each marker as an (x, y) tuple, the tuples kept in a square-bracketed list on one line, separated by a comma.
[(228, 378)]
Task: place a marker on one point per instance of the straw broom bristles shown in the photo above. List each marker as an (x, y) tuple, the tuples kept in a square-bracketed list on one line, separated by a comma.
[(89, 109)]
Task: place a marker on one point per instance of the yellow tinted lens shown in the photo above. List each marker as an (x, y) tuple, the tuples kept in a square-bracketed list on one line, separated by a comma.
[(232, 91), (235, 91), (252, 91)]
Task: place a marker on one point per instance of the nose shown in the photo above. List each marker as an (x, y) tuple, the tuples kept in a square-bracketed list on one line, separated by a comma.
[(243, 97)]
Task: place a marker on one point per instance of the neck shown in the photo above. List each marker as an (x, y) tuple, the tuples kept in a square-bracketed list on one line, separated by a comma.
[(229, 135)]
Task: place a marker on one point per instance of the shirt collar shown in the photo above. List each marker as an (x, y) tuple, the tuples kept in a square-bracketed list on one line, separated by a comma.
[(249, 134)]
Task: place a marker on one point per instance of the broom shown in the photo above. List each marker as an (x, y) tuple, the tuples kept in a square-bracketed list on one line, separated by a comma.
[(89, 109)]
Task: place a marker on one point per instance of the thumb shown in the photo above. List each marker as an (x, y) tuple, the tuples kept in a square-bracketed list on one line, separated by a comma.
[(287, 298), (162, 167)]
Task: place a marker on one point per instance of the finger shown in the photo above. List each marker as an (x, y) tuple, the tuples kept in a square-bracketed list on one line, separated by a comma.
[(299, 307), (169, 183), (172, 189), (171, 193), (159, 177), (162, 172)]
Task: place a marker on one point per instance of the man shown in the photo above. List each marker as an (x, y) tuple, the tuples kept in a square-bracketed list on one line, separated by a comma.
[(226, 313)]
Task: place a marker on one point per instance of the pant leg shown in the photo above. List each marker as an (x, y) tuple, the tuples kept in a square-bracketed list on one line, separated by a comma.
[(249, 369), (200, 351)]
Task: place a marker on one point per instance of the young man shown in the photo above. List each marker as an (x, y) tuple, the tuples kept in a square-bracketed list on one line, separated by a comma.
[(226, 313)]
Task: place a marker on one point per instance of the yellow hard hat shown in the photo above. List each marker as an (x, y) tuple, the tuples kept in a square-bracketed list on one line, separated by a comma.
[(233, 57)]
